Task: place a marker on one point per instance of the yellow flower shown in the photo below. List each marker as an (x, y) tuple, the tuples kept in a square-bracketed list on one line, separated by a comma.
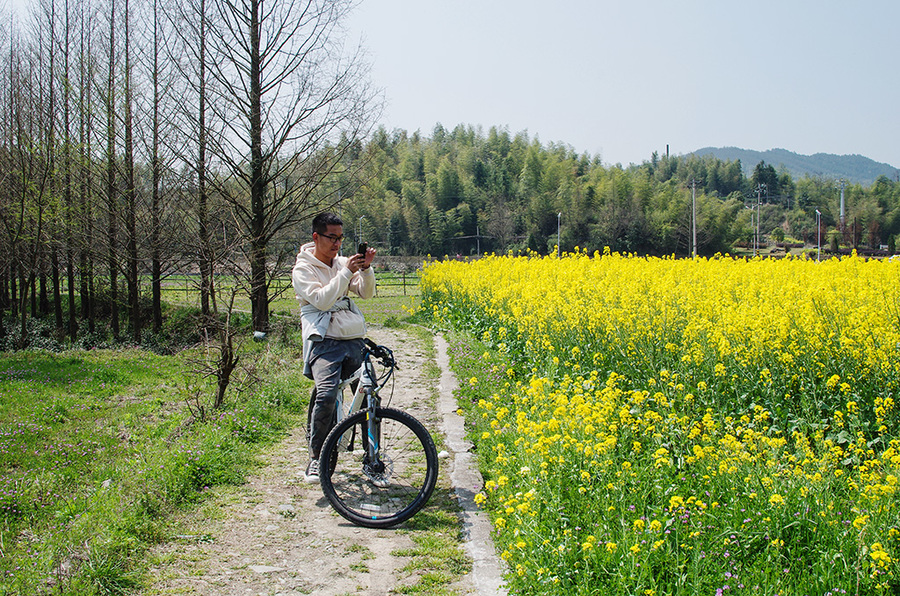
[(879, 556), (717, 327)]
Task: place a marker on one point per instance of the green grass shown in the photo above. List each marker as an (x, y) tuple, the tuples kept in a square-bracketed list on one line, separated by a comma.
[(436, 560), (99, 455), (97, 448)]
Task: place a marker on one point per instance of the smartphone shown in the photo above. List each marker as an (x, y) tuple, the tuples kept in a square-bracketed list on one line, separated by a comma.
[(362, 248)]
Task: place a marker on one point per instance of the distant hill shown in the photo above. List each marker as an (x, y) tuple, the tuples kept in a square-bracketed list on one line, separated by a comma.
[(853, 168)]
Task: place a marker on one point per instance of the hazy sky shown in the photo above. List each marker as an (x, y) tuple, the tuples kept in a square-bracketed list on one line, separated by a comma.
[(623, 79)]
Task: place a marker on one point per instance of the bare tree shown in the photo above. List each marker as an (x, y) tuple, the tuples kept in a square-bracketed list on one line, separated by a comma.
[(112, 190), (191, 26), (161, 141), (292, 101), (131, 249), (23, 213), (85, 171), (56, 220), (68, 165), (7, 189), (156, 174)]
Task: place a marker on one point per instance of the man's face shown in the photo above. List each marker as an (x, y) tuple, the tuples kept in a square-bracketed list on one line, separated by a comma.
[(327, 244)]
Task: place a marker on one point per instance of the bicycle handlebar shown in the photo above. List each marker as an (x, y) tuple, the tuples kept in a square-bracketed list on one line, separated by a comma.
[(381, 353)]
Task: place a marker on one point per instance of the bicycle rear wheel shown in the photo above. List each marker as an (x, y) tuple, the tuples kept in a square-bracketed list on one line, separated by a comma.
[(385, 493)]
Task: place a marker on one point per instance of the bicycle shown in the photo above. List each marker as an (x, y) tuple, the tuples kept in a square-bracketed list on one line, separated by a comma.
[(378, 466)]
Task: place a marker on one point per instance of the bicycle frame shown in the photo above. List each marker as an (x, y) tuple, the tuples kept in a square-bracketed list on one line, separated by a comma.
[(367, 395), (390, 476)]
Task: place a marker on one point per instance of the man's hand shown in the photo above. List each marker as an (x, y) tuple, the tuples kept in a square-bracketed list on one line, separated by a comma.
[(358, 261)]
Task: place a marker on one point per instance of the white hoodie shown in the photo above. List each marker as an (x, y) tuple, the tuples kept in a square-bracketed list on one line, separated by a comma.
[(325, 308), (322, 287)]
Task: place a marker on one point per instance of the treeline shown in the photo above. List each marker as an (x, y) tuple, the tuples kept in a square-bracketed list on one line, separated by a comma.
[(466, 192)]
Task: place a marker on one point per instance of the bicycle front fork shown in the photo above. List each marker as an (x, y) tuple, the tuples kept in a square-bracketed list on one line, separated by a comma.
[(372, 430)]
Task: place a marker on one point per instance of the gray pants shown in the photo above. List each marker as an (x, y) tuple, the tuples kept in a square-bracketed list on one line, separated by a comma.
[(331, 360)]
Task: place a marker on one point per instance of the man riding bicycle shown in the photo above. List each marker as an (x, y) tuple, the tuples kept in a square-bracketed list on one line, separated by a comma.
[(333, 326)]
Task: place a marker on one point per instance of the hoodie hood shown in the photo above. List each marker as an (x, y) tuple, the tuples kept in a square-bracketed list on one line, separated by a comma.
[(307, 255)]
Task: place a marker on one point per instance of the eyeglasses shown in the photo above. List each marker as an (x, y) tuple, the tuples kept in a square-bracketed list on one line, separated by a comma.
[(334, 239)]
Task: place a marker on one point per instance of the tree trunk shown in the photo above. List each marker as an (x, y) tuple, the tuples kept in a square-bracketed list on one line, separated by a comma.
[(155, 263), (23, 310), (134, 297), (4, 291), (69, 223), (13, 293), (259, 300), (111, 192), (55, 286), (43, 307), (206, 257)]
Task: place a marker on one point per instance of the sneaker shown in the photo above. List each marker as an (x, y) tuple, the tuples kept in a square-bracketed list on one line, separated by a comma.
[(378, 480), (312, 471)]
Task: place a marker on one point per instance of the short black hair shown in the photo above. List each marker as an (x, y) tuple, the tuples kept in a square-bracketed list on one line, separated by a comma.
[(321, 222)]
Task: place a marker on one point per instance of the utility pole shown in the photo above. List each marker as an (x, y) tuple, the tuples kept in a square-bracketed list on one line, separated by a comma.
[(818, 235), (694, 216), (759, 189), (842, 204), (558, 249)]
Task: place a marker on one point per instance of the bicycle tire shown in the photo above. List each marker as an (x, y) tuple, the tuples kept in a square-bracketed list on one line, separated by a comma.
[(411, 471)]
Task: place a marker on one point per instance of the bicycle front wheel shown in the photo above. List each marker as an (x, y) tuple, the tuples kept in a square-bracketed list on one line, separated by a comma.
[(386, 492)]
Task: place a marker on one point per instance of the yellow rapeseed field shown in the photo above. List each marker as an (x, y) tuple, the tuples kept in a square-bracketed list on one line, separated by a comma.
[(661, 426)]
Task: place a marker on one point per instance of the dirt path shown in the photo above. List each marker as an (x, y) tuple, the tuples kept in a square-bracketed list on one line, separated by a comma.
[(277, 535)]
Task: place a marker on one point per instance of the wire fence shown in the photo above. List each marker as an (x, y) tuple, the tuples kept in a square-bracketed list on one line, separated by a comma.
[(387, 284)]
